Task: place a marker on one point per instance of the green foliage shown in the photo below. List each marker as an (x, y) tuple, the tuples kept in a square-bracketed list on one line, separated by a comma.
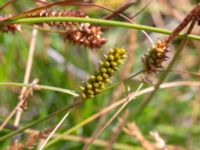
[(63, 64)]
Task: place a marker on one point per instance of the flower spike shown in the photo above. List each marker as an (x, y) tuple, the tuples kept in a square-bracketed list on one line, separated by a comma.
[(95, 84)]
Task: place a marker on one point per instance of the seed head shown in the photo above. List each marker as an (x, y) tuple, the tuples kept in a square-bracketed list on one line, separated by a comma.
[(77, 33), (9, 27), (95, 84), (155, 57)]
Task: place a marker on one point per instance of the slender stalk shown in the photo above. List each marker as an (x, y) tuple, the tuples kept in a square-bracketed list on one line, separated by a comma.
[(123, 81), (66, 91), (19, 110), (192, 15), (53, 132), (97, 21), (44, 87), (10, 116)]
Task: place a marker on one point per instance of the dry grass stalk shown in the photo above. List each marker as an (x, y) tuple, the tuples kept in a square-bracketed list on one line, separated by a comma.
[(117, 130), (192, 15), (25, 92), (135, 132), (28, 92), (43, 144)]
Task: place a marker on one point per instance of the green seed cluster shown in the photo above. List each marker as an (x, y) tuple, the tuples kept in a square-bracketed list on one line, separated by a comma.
[(95, 83)]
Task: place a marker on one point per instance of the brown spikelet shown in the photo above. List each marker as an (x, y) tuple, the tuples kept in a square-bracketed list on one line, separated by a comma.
[(77, 33), (9, 27), (87, 35), (155, 57), (59, 13)]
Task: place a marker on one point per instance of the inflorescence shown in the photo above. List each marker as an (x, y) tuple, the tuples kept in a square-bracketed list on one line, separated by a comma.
[(95, 83), (155, 57), (9, 27), (78, 33), (75, 32)]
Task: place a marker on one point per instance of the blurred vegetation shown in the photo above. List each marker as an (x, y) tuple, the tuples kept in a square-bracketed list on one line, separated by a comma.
[(173, 112)]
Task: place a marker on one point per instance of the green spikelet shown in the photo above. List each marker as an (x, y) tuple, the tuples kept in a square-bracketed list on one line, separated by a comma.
[(95, 84)]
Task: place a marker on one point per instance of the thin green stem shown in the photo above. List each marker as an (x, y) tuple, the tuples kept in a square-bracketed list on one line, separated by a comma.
[(45, 87), (62, 90), (96, 21), (165, 74), (123, 81)]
